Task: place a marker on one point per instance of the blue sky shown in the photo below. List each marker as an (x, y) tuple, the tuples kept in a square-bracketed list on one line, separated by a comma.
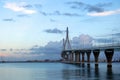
[(25, 24)]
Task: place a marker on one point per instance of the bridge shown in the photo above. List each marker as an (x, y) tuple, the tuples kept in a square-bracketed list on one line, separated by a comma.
[(73, 56)]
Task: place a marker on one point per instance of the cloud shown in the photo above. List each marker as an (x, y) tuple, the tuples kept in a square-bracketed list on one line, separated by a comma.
[(56, 47), (52, 20), (115, 37), (76, 4), (89, 8), (50, 51), (104, 40), (3, 49), (83, 41), (71, 14), (110, 39), (116, 34), (19, 7), (50, 48), (53, 49), (56, 31), (104, 4), (27, 6), (31, 6), (22, 15), (8, 19), (58, 13), (105, 13), (38, 5)]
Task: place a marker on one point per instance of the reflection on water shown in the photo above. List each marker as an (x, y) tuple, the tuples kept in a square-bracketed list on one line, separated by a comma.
[(88, 71), (96, 72), (58, 71), (91, 73), (110, 74)]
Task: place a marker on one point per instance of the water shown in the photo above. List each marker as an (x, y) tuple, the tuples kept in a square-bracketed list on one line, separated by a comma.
[(57, 71)]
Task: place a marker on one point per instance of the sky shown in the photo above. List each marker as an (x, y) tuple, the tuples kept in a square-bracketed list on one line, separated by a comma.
[(34, 29)]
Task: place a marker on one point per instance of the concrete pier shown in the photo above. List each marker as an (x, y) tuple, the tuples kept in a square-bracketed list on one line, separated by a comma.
[(72, 56), (77, 56), (96, 55), (109, 54), (88, 52), (83, 57)]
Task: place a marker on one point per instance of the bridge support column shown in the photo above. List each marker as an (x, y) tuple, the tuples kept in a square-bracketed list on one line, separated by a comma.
[(109, 54), (64, 55), (96, 54), (68, 59), (77, 56), (88, 52), (83, 54), (70, 56)]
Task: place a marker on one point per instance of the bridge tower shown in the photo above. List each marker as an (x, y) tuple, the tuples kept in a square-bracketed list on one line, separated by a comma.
[(66, 42), (67, 46)]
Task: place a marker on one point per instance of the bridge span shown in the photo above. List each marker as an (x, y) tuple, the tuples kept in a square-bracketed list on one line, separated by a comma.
[(73, 56)]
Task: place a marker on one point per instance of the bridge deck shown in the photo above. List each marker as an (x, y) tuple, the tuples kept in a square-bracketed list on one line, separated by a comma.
[(95, 48)]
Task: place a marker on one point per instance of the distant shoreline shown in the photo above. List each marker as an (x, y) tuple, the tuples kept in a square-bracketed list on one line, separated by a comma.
[(46, 61)]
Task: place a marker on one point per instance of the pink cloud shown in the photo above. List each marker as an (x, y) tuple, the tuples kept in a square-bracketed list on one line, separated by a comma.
[(19, 8)]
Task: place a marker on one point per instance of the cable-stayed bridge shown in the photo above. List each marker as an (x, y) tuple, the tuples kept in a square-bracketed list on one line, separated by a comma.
[(73, 56)]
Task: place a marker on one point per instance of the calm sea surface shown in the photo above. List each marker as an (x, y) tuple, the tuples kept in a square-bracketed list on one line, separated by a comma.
[(57, 71)]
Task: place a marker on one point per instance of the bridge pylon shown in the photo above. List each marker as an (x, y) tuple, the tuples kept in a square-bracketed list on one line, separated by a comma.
[(66, 42)]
